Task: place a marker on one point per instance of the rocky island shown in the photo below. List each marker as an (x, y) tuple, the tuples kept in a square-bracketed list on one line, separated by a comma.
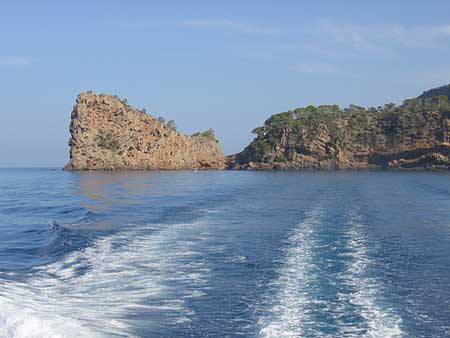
[(107, 133)]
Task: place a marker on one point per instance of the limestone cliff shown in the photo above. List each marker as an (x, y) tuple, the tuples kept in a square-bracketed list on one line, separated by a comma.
[(107, 133), (413, 136)]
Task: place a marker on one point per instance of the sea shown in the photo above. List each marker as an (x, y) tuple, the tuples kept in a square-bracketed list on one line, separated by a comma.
[(224, 254)]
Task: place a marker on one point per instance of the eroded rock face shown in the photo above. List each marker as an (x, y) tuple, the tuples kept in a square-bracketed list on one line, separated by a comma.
[(108, 134)]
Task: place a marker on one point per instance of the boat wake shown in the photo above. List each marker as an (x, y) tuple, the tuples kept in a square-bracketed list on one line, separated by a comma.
[(100, 290), (288, 312), (379, 320), (326, 289)]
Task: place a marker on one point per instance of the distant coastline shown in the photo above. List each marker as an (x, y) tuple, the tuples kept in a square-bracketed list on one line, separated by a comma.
[(109, 134)]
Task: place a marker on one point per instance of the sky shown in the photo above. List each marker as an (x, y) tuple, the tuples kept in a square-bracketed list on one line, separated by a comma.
[(227, 65)]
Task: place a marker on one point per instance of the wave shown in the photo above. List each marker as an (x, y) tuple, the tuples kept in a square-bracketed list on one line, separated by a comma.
[(146, 270)]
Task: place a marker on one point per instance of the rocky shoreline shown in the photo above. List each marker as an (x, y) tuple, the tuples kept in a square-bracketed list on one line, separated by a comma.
[(109, 134)]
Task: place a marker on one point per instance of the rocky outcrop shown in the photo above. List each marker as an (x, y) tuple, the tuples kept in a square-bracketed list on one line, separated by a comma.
[(108, 134), (412, 136)]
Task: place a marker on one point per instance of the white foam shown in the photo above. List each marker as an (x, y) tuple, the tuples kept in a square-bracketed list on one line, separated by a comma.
[(382, 322), (289, 312), (128, 272), (21, 323), (286, 315)]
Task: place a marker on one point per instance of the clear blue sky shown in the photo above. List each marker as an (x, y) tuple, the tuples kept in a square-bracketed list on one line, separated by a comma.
[(221, 64)]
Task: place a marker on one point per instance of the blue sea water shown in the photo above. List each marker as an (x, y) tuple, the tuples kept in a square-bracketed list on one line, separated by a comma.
[(224, 254)]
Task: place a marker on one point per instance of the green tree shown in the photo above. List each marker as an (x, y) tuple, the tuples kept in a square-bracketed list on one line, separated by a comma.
[(281, 158), (207, 133), (258, 131), (171, 124)]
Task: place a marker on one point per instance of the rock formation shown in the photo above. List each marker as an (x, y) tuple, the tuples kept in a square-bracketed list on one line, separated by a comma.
[(108, 134), (413, 136)]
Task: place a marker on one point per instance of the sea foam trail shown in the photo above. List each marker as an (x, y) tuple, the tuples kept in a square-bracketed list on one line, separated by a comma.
[(380, 321), (94, 292), (324, 288), (20, 323), (287, 315)]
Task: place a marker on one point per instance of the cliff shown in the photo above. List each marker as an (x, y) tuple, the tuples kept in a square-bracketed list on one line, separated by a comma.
[(107, 133), (413, 136)]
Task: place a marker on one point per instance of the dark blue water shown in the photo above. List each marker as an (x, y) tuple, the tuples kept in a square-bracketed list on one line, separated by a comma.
[(224, 254)]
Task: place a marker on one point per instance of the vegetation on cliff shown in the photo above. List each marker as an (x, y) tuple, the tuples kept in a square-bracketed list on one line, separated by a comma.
[(108, 133), (414, 134), (443, 90), (209, 134)]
